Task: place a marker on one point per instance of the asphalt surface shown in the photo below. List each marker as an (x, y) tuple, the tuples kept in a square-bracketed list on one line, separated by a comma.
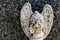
[(10, 28)]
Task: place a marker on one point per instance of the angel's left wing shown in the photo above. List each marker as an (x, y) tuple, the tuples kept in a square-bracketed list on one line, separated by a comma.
[(25, 15), (48, 18)]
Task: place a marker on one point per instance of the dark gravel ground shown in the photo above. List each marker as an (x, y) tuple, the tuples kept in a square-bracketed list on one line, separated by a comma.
[(10, 28)]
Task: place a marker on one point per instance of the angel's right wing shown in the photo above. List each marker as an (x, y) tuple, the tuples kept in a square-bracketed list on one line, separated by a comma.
[(25, 15)]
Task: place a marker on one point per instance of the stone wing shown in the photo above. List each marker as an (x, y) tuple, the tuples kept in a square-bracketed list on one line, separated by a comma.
[(25, 15), (48, 18)]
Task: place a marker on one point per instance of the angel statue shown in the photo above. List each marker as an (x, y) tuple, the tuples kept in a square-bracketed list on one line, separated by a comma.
[(36, 25)]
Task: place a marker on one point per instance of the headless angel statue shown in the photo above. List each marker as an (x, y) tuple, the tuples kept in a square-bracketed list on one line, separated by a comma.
[(36, 25)]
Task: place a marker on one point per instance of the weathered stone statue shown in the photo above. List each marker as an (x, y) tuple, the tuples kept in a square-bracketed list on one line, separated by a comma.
[(36, 25)]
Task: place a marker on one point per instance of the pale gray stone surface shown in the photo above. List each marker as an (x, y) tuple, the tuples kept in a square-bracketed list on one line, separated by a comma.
[(10, 28)]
